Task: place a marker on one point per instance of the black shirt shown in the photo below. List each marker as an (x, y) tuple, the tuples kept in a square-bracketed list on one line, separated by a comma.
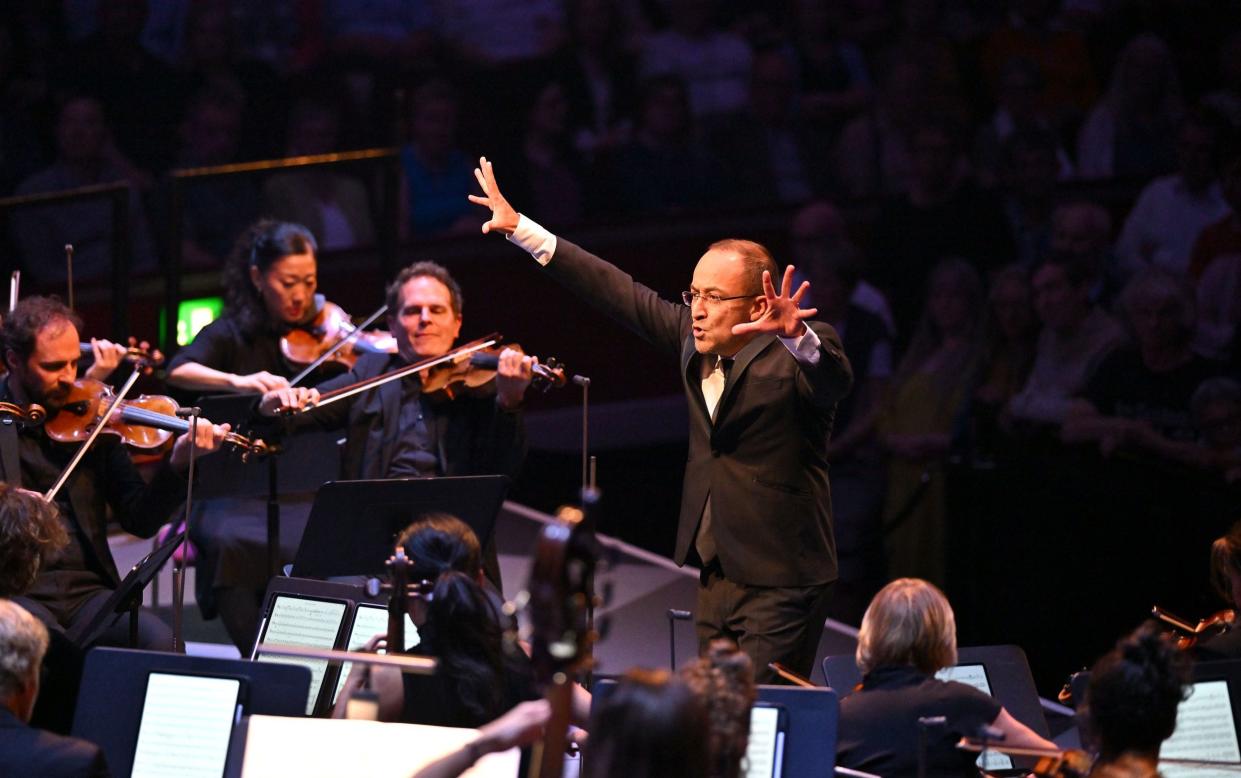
[(879, 724), (222, 345), (1123, 386)]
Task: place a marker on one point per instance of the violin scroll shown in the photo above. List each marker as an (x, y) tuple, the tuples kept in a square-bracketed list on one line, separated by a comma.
[(29, 414)]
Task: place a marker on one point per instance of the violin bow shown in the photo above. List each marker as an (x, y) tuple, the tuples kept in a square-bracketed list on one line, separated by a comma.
[(408, 370), (15, 285), (86, 444), (338, 345)]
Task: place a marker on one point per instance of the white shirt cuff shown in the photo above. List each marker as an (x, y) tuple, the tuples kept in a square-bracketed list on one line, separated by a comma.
[(805, 347), (531, 236)]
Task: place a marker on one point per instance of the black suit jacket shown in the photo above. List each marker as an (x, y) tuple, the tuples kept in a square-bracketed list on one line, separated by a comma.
[(479, 438), (107, 478), (28, 751), (763, 459)]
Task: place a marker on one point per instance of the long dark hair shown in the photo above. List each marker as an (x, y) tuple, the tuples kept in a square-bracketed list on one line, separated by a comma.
[(462, 627), (262, 244), (651, 726)]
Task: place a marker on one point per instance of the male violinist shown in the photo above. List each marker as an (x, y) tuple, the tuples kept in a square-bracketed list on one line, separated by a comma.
[(762, 383), (41, 350), (394, 430)]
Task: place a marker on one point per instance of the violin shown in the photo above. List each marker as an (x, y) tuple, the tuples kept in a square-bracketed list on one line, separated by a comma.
[(331, 338), (146, 422), (1189, 634), (474, 375), (27, 414), (1070, 763)]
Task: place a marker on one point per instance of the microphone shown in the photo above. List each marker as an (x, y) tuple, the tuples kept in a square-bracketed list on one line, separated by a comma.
[(581, 380), (189, 411), (932, 721)]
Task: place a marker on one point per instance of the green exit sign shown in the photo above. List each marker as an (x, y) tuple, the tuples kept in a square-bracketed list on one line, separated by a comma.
[(193, 315)]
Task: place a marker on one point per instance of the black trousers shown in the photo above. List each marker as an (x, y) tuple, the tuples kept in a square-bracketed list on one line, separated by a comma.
[(769, 623)]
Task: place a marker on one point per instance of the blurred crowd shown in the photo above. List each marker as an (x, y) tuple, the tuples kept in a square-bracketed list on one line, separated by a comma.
[(1023, 216)]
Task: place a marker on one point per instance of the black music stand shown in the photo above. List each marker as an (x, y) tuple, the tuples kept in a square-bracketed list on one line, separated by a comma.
[(114, 685), (353, 524), (127, 597)]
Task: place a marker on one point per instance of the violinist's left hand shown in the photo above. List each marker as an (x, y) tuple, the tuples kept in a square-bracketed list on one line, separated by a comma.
[(513, 376), (107, 357), (208, 438), (784, 315)]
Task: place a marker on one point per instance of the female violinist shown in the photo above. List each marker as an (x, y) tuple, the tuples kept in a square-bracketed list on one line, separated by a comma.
[(270, 284), (1225, 639)]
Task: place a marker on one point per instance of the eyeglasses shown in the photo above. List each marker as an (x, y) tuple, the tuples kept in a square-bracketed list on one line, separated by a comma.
[(710, 298)]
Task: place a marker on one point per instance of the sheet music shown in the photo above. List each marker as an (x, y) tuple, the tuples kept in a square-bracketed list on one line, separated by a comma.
[(760, 754), (369, 621), (331, 748), (297, 621), (976, 676), (1205, 730), (186, 725)]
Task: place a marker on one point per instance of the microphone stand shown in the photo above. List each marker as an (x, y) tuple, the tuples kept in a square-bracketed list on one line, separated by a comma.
[(924, 724), (178, 562)]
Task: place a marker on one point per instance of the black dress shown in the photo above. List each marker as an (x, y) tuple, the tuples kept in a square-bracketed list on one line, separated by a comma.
[(878, 730)]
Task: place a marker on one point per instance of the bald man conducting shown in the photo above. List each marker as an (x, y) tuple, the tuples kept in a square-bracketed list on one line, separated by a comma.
[(762, 384)]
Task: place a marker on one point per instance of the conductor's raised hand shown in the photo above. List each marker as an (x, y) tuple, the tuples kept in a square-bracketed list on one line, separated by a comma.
[(503, 216), (784, 315)]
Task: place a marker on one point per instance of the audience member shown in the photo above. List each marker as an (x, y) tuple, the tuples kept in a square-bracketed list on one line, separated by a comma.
[(382, 34), (909, 634), (1030, 31), (23, 749), (651, 726), (332, 205), (1132, 699), (771, 156), (1172, 210), (1082, 231), (486, 34), (835, 81), (916, 423), (1075, 337), (664, 168), (1130, 133), (84, 156), (1011, 331), (434, 168), (548, 173), (1226, 100), (713, 63), (1216, 408), (1029, 174), (723, 679), (600, 76), (140, 95), (1223, 237), (819, 226), (941, 215), (1017, 95), (1138, 397), (214, 210)]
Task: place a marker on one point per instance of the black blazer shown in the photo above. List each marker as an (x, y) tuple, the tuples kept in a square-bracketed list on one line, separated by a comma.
[(28, 751), (763, 460), (480, 438)]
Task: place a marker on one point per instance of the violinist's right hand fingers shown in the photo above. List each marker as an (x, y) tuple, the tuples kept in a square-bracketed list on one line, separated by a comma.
[(375, 643)]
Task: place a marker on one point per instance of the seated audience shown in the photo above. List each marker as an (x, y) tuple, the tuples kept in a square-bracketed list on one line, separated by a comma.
[(548, 173), (23, 749), (1130, 133), (1029, 175), (909, 634), (435, 171), (819, 226), (713, 62), (1011, 331), (1021, 84), (1216, 408), (85, 156), (916, 422), (723, 679), (1075, 336), (1082, 230), (1223, 237), (664, 168), (600, 76), (334, 207), (835, 81), (1138, 398), (1174, 209), (1132, 700)]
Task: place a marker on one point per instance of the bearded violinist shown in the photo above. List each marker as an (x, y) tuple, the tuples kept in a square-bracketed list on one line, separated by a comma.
[(41, 350), (394, 430)]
